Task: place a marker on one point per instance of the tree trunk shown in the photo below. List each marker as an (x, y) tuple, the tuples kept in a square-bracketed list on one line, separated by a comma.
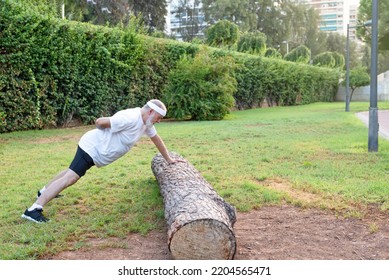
[(200, 223)]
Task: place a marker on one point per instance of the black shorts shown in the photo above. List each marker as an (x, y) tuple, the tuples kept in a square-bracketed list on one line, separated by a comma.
[(81, 162)]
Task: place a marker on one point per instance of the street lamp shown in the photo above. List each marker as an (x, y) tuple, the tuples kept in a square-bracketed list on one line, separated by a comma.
[(373, 110), (63, 10), (287, 46)]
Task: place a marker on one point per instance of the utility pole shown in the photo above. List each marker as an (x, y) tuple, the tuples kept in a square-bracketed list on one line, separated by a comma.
[(348, 69), (373, 110)]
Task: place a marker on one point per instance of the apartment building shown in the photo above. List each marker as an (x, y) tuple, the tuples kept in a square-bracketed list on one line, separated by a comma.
[(353, 21), (185, 18), (335, 14)]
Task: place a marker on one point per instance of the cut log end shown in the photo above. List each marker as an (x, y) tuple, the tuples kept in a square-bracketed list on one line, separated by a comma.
[(203, 239)]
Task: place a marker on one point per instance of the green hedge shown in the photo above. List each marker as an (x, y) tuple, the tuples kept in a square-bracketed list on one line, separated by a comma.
[(282, 83), (53, 70)]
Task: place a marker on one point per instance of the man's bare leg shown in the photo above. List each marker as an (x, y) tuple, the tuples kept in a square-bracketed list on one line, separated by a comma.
[(56, 177), (34, 213), (64, 179)]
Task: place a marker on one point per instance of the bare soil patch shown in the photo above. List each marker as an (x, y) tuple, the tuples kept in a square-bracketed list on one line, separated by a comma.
[(269, 233)]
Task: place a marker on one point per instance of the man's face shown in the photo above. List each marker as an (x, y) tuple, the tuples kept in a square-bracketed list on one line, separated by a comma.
[(153, 118)]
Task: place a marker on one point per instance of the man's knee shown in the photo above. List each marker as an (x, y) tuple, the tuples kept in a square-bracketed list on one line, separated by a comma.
[(72, 177)]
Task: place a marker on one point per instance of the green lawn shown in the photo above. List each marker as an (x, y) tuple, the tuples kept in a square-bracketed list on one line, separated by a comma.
[(310, 156)]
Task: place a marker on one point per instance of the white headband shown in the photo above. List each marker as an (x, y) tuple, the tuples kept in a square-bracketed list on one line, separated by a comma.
[(156, 108)]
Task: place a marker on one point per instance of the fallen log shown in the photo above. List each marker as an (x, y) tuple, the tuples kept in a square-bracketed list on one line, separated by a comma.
[(200, 223)]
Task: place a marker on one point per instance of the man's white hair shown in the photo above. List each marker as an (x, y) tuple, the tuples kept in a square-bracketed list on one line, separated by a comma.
[(157, 106)]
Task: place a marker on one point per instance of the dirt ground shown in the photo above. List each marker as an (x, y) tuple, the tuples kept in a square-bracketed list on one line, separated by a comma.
[(269, 233)]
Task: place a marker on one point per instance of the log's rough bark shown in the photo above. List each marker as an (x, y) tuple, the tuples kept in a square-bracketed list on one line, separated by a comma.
[(200, 223)]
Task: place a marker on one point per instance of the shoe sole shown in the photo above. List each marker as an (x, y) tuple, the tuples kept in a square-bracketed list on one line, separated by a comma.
[(32, 220)]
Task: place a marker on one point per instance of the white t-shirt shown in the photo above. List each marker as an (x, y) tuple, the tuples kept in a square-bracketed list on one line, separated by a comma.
[(107, 145)]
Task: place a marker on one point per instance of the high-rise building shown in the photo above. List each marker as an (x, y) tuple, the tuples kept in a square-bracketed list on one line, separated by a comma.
[(185, 18), (353, 21), (335, 14)]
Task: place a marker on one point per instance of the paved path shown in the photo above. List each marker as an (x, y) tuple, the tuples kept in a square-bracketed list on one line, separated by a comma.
[(383, 121)]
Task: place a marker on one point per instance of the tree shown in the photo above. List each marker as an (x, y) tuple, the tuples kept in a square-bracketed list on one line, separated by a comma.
[(364, 33), (279, 20), (252, 42), (303, 24), (273, 53), (266, 16), (324, 59), (335, 42), (300, 54), (318, 44), (383, 60), (271, 19), (358, 78), (101, 12), (365, 14), (223, 34), (339, 60), (153, 12), (236, 11), (384, 42), (97, 11)]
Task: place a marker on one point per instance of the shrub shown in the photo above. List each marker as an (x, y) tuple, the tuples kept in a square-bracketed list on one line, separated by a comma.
[(252, 43), (272, 53), (339, 60), (301, 54), (325, 59), (201, 88), (223, 34)]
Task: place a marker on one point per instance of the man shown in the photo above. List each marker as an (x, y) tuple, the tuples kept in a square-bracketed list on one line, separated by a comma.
[(112, 138)]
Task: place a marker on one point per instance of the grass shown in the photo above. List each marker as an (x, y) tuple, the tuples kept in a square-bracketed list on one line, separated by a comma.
[(310, 156)]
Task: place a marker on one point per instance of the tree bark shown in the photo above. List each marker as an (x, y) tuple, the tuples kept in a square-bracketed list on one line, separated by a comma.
[(200, 223)]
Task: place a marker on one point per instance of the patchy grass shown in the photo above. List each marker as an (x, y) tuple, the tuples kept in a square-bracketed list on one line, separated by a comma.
[(312, 156)]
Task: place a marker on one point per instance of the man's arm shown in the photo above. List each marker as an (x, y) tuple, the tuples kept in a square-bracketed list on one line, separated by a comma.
[(102, 123), (158, 142)]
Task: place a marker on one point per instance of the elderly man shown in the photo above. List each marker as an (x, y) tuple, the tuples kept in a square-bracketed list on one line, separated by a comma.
[(112, 138)]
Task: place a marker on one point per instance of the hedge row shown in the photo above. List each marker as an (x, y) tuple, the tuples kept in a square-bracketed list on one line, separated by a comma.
[(283, 83), (60, 68), (54, 70)]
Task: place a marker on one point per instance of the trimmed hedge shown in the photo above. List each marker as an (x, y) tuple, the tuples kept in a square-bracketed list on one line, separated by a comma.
[(282, 83), (53, 70)]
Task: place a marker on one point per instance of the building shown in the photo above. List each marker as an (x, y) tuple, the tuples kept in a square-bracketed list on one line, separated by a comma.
[(353, 21), (335, 14), (185, 19)]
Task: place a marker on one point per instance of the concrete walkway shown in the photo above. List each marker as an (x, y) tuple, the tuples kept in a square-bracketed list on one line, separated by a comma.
[(383, 121)]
